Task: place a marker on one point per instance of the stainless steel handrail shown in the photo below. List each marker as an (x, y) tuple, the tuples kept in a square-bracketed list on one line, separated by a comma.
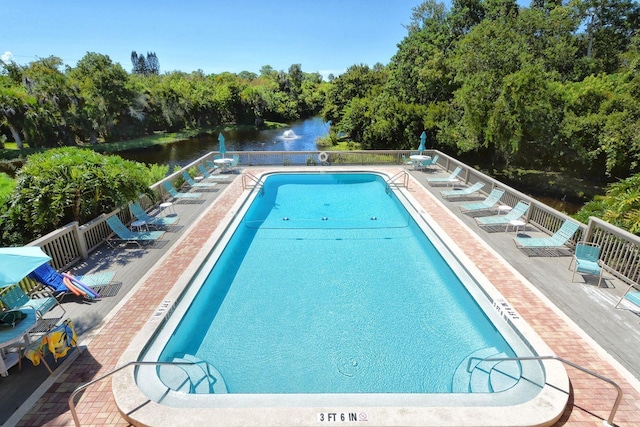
[(72, 406), (585, 370)]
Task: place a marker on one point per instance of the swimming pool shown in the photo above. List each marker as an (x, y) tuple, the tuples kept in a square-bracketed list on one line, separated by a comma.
[(321, 295)]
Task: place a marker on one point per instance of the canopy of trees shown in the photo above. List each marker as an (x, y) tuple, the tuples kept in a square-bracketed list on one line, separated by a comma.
[(554, 85), (45, 105)]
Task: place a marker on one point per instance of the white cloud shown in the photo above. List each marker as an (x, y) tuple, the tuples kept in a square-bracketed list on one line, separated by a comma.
[(7, 56)]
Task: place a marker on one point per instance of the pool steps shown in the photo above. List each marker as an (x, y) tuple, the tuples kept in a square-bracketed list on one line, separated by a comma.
[(476, 375), (199, 377)]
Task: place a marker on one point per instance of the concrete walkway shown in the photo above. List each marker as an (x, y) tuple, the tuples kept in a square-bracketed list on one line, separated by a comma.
[(563, 314)]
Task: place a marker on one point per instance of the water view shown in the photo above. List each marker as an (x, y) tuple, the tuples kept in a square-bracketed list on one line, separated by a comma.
[(299, 136)]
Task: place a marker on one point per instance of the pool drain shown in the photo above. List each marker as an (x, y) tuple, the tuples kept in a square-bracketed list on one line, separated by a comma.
[(348, 367)]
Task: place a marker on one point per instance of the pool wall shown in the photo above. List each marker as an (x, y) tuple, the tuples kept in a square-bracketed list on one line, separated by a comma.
[(302, 409)]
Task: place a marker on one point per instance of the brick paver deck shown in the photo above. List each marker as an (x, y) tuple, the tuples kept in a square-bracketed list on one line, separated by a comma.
[(590, 404)]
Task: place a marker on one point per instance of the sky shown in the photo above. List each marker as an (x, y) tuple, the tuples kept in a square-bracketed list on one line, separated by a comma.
[(215, 36)]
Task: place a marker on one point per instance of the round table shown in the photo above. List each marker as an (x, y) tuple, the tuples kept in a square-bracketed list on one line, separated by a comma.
[(166, 205), (139, 225), (12, 336), (516, 224), (224, 163)]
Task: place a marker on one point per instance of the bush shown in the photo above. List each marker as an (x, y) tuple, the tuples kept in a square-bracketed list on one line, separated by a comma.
[(69, 184)]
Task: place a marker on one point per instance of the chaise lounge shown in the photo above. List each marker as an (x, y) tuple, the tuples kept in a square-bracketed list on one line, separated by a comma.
[(545, 245)]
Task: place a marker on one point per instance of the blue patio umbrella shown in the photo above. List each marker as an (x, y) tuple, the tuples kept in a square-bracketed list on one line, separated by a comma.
[(423, 140), (222, 149), (17, 263)]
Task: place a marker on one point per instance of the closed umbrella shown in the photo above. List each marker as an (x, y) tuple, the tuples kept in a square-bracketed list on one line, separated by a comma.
[(222, 149), (423, 140), (17, 263)]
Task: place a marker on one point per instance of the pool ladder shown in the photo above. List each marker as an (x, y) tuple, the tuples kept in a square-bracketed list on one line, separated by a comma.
[(401, 179), (250, 181)]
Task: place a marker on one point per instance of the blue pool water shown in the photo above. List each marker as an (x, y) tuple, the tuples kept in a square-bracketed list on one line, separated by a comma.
[(329, 285)]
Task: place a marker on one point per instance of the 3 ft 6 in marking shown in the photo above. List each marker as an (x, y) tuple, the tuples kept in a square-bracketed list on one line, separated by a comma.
[(333, 417)]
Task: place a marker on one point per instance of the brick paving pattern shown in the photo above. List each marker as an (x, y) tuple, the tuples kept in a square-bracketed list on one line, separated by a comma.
[(590, 404)]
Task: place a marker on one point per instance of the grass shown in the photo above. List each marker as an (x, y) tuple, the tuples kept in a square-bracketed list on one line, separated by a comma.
[(7, 184)]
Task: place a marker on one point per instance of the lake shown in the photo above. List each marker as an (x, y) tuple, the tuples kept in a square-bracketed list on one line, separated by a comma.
[(299, 136)]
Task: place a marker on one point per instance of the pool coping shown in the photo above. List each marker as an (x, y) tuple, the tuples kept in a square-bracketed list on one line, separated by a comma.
[(545, 409)]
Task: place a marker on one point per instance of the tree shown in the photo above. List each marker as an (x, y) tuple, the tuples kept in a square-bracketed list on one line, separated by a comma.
[(69, 184), (145, 66)]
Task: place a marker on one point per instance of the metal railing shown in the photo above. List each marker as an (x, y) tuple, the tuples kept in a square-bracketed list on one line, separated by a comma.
[(580, 368), (620, 250), (72, 405)]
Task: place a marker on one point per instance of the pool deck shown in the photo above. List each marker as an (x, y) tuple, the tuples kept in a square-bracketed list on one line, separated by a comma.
[(577, 320)]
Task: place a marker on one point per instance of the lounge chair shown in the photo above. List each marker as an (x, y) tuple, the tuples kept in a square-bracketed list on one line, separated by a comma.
[(487, 204), (193, 184), (586, 260), (14, 298), (123, 234), (178, 195), (463, 192), (48, 276), (631, 295), (151, 221), (556, 241), (448, 180), (210, 177), (504, 220)]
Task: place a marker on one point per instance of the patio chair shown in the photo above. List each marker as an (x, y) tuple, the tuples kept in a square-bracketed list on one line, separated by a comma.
[(504, 220), (151, 221), (178, 195), (556, 241), (58, 342), (450, 179), (234, 164), (14, 298), (462, 192), (191, 183), (432, 162), (487, 204), (586, 260), (210, 177), (123, 234), (406, 161)]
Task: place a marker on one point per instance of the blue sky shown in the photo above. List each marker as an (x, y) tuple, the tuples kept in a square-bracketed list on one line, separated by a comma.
[(326, 36)]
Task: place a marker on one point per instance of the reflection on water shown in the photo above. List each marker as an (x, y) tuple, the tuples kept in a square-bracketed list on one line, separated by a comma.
[(300, 136)]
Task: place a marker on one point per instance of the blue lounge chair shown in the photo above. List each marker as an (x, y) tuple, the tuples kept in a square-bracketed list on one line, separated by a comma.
[(450, 179), (54, 280), (586, 260), (504, 220), (210, 177), (487, 204), (151, 221), (178, 195), (193, 184), (123, 234), (631, 295), (556, 241), (462, 192)]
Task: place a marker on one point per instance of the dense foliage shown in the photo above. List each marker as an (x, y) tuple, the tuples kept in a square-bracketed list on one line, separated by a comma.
[(44, 105), (551, 86), (69, 184)]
